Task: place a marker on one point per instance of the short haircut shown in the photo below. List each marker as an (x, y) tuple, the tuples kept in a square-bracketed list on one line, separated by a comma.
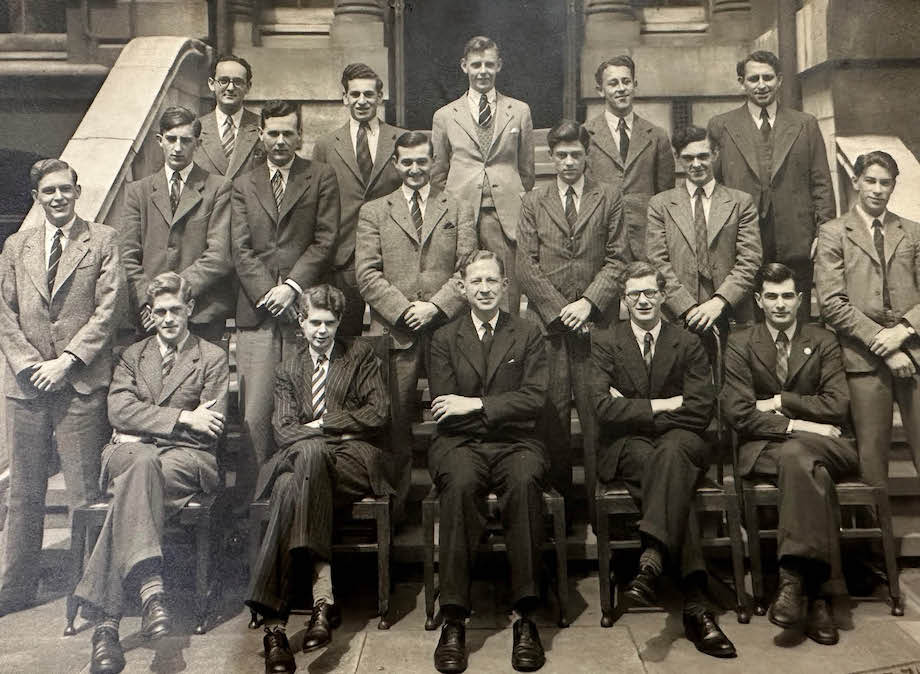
[(482, 254), (322, 296), (685, 135), (877, 158), (43, 167), (279, 109), (236, 59), (413, 139), (178, 116), (760, 56), (360, 71), (169, 282), (621, 60), (568, 131), (641, 269), (479, 43), (774, 272)]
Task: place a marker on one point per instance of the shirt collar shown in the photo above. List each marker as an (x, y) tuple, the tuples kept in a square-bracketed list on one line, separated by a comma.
[(640, 332), (790, 331), (866, 218), (373, 126), (708, 188), (578, 186), (314, 354), (163, 346), (65, 230), (613, 120), (477, 324), (755, 112), (475, 96), (422, 193), (183, 174), (237, 118), (284, 169)]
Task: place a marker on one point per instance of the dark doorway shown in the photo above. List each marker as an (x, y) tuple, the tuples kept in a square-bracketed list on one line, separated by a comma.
[(530, 34)]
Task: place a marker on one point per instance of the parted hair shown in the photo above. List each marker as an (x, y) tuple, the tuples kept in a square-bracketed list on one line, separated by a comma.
[(476, 256), (685, 135), (876, 158), (236, 59), (43, 167), (568, 131), (479, 43), (175, 116), (360, 71), (760, 56), (169, 282), (621, 60), (413, 139), (773, 272), (640, 269), (322, 296), (279, 109)]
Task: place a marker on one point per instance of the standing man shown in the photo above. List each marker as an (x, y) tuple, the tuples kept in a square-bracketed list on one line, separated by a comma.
[(628, 152), (488, 385), (786, 396), (703, 238), (283, 224), (866, 274), (652, 388), (483, 152), (572, 247), (229, 135), (360, 153), (178, 220), (777, 155), (61, 291), (408, 246)]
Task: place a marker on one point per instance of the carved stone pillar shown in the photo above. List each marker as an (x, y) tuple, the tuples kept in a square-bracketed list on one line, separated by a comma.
[(358, 22), (610, 22), (730, 19), (244, 23)]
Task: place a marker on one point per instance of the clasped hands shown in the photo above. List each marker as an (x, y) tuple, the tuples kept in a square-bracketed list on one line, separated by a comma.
[(278, 300), (575, 315), (887, 344), (50, 375)]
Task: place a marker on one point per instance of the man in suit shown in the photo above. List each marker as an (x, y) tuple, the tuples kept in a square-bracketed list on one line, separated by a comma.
[(360, 154), (652, 388), (408, 246), (572, 247), (167, 404), (230, 134), (866, 275), (178, 219), (61, 291), (488, 385), (484, 155), (628, 153), (777, 155), (330, 402), (703, 237), (284, 216), (786, 396)]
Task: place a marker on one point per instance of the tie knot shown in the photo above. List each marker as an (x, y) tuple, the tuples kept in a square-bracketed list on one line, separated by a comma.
[(781, 338), (365, 125), (764, 114), (320, 359), (700, 193), (57, 233), (877, 224), (570, 192), (176, 177), (228, 122), (621, 125), (486, 329), (483, 99), (648, 339)]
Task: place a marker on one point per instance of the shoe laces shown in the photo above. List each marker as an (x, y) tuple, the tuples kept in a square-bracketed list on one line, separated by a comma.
[(273, 637), (315, 614)]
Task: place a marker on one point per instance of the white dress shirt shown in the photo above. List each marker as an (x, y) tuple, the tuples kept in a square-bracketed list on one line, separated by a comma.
[(755, 111), (221, 117), (640, 333), (790, 332), (183, 175), (163, 346), (373, 135), (480, 325), (707, 197), (285, 172), (613, 122), (578, 186), (314, 355), (867, 219), (49, 238), (422, 197), (472, 99)]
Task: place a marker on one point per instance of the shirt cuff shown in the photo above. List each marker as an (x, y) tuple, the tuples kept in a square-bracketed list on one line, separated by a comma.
[(293, 284), (789, 427), (76, 358)]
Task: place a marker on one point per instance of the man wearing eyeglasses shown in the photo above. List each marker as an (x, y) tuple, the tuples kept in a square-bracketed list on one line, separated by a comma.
[(704, 238), (652, 389)]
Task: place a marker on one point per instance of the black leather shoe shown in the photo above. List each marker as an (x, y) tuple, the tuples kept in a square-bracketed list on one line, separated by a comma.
[(641, 590), (450, 655), (788, 609), (108, 658), (278, 655), (527, 652), (820, 625), (323, 620), (156, 621), (705, 633)]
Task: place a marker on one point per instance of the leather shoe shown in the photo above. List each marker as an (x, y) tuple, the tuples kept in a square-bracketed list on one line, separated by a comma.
[(641, 590), (527, 652), (156, 621), (450, 654), (108, 658), (788, 609), (820, 625), (705, 633), (278, 655), (324, 619)]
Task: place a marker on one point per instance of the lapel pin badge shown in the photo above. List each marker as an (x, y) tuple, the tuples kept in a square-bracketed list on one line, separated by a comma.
[(807, 350)]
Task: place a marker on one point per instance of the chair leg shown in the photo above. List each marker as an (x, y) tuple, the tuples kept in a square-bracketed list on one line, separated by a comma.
[(255, 620), (255, 542), (733, 515), (883, 512), (202, 575), (603, 564), (77, 551), (752, 524), (428, 522), (562, 570), (384, 534)]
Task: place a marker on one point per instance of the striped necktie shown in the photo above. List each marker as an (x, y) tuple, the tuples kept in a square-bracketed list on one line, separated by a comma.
[(647, 342), (169, 359), (174, 191), (571, 214), (363, 153), (318, 387), (702, 236), (278, 187), (765, 127), (624, 140), (485, 112), (227, 137), (415, 210), (782, 356), (53, 258)]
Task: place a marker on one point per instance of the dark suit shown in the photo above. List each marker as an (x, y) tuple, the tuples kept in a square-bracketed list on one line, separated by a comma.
[(314, 470), (660, 456), (495, 449), (79, 316), (153, 473), (338, 151), (247, 152), (815, 389)]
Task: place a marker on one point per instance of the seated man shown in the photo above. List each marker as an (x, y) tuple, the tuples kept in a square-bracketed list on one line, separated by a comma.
[(166, 405), (652, 388), (786, 396), (488, 381), (330, 400)]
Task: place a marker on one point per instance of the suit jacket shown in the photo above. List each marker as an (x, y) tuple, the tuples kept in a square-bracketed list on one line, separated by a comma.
[(558, 266), (144, 404), (735, 251), (680, 366), (649, 169), (815, 388), (270, 244), (512, 384), (78, 316), (194, 242), (460, 167), (247, 153), (848, 278), (337, 150), (799, 191), (394, 268)]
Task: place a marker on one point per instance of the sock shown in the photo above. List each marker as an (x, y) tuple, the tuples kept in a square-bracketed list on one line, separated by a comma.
[(454, 613), (109, 621), (150, 586), (322, 582), (652, 560), (525, 607)]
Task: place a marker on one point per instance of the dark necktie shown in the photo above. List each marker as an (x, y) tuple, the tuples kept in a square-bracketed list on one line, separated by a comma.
[(702, 238), (169, 359), (415, 211), (278, 188), (318, 387), (226, 136), (53, 258), (647, 351), (174, 191), (624, 139), (486, 344), (878, 236), (571, 215), (485, 112), (363, 153), (782, 357), (765, 127)]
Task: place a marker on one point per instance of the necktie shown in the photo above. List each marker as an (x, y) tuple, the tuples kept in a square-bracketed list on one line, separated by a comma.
[(174, 191), (487, 337), (277, 188), (782, 357), (765, 127), (647, 351), (318, 388), (53, 258), (485, 112), (363, 153), (702, 238), (227, 137), (878, 237), (415, 211), (624, 139), (571, 215), (169, 359)]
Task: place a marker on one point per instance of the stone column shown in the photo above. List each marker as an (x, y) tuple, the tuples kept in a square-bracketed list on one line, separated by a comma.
[(244, 24), (609, 22), (358, 23), (730, 19)]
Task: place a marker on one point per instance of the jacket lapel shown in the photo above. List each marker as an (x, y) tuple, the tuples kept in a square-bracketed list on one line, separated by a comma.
[(550, 201), (160, 196), (799, 353), (600, 132), (210, 143), (502, 119), (191, 193), (346, 151), (262, 182), (893, 235), (186, 362), (590, 198), (150, 368), (663, 360), (246, 137), (399, 212), (638, 141), (682, 214), (741, 128), (434, 211), (298, 179), (501, 344), (35, 261), (465, 120), (858, 233), (470, 346), (765, 351), (784, 135), (631, 357), (720, 208), (385, 141), (70, 258)]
